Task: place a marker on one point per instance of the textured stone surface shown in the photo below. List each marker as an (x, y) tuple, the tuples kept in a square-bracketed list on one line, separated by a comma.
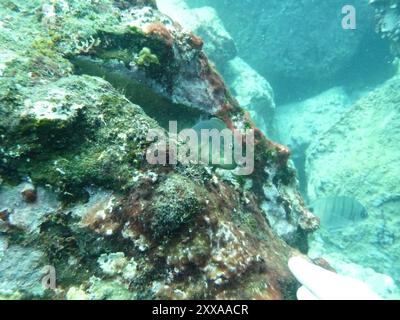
[(204, 22), (103, 215), (21, 272), (382, 284), (298, 125), (357, 157), (388, 16), (253, 92)]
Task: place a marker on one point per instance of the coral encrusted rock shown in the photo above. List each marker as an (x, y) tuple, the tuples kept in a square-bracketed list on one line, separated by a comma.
[(81, 85)]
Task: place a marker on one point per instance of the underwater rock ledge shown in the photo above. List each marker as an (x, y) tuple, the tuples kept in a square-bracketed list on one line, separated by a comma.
[(111, 225)]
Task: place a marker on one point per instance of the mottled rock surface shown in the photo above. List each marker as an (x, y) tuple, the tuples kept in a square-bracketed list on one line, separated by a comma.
[(204, 22), (388, 16), (299, 124), (381, 283), (358, 157), (252, 90), (81, 85)]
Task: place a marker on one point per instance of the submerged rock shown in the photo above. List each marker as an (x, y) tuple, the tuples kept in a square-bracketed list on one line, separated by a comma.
[(388, 14), (362, 146), (177, 202), (21, 272), (300, 45), (112, 225), (204, 22), (180, 78), (299, 124), (382, 284), (68, 135), (253, 92), (23, 215)]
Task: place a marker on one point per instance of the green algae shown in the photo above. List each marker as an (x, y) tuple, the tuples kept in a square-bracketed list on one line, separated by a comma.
[(106, 153), (146, 58)]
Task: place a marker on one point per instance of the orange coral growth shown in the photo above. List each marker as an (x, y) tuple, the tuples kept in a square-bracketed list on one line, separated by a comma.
[(283, 152), (160, 31), (224, 113), (196, 42)]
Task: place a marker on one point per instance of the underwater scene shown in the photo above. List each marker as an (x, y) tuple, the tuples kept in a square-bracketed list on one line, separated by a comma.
[(199, 150)]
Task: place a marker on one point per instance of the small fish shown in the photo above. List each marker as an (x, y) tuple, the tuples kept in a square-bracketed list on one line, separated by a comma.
[(212, 124), (337, 212)]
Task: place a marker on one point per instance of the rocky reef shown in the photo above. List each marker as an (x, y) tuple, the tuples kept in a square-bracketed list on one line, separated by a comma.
[(300, 45), (387, 14), (249, 87), (81, 85), (299, 124), (345, 145), (374, 242), (205, 22)]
